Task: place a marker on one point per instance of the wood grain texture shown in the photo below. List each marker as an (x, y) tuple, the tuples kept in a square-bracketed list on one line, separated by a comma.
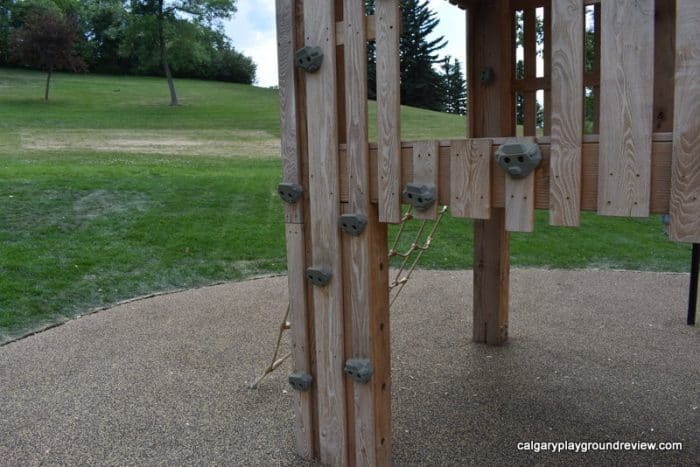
[(367, 300), (660, 173), (664, 64), (291, 163), (470, 177), (425, 171), (388, 21), (492, 115), (567, 112), (520, 200), (685, 185), (530, 69), (627, 100), (324, 194), (491, 279), (304, 430), (370, 30), (296, 266)]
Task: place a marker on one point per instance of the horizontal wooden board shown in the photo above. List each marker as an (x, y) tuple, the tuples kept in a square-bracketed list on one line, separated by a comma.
[(660, 173)]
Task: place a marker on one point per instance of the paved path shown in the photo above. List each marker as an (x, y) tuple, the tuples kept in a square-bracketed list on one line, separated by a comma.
[(593, 356)]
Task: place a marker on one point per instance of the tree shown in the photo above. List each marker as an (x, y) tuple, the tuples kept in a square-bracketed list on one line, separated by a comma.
[(454, 87), (155, 25), (421, 84), (47, 41)]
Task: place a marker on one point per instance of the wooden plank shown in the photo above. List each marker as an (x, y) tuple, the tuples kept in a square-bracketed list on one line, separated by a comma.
[(567, 112), (291, 164), (626, 114), (685, 189), (491, 277), (664, 64), (596, 68), (319, 25), (389, 109), (370, 30), (530, 48), (492, 115), (548, 67), (470, 176), (660, 173), (296, 265), (367, 297), (295, 238), (520, 200), (425, 171)]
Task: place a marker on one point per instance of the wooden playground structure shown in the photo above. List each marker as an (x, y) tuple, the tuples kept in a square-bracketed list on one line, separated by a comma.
[(341, 190)]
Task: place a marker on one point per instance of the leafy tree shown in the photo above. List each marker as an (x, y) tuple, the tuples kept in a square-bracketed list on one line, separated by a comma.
[(454, 87), (157, 28), (47, 41), (102, 25), (421, 84)]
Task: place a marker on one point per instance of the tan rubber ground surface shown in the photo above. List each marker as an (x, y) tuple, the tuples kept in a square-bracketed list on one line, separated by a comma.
[(592, 356)]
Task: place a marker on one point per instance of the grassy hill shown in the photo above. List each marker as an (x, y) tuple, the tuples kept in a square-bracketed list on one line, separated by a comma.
[(107, 193)]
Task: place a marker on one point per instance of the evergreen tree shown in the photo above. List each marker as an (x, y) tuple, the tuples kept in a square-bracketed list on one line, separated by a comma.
[(454, 87), (421, 84)]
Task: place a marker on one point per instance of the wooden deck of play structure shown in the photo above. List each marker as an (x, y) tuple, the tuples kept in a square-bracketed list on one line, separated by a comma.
[(642, 157)]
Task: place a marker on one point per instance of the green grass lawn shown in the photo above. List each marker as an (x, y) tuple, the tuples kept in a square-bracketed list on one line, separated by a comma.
[(107, 193)]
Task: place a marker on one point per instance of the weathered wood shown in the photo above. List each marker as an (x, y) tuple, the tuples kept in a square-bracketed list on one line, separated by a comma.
[(425, 171), (664, 64), (547, 67), (566, 112), (492, 115), (627, 100), (470, 176), (660, 170), (520, 201), (685, 188), (530, 95), (290, 113), (388, 18), (324, 194), (491, 275), (367, 296), (291, 163), (370, 30), (296, 266)]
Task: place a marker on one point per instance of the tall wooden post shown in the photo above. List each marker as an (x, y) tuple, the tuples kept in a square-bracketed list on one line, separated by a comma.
[(491, 114)]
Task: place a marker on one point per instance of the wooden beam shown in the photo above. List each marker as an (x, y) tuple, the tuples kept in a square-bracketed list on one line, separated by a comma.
[(368, 302), (324, 194), (388, 20), (660, 173), (567, 112), (664, 64), (685, 191), (491, 277), (492, 115), (293, 159), (627, 100)]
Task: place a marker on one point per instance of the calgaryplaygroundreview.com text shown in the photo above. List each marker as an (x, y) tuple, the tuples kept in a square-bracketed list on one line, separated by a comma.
[(587, 446)]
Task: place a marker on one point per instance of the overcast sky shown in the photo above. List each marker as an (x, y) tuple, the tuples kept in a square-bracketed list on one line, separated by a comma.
[(252, 31)]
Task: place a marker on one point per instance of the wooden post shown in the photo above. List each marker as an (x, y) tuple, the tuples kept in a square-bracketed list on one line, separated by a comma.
[(491, 114), (294, 161), (365, 264), (324, 194)]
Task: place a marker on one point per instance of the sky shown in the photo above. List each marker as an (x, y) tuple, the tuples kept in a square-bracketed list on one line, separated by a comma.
[(252, 32)]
